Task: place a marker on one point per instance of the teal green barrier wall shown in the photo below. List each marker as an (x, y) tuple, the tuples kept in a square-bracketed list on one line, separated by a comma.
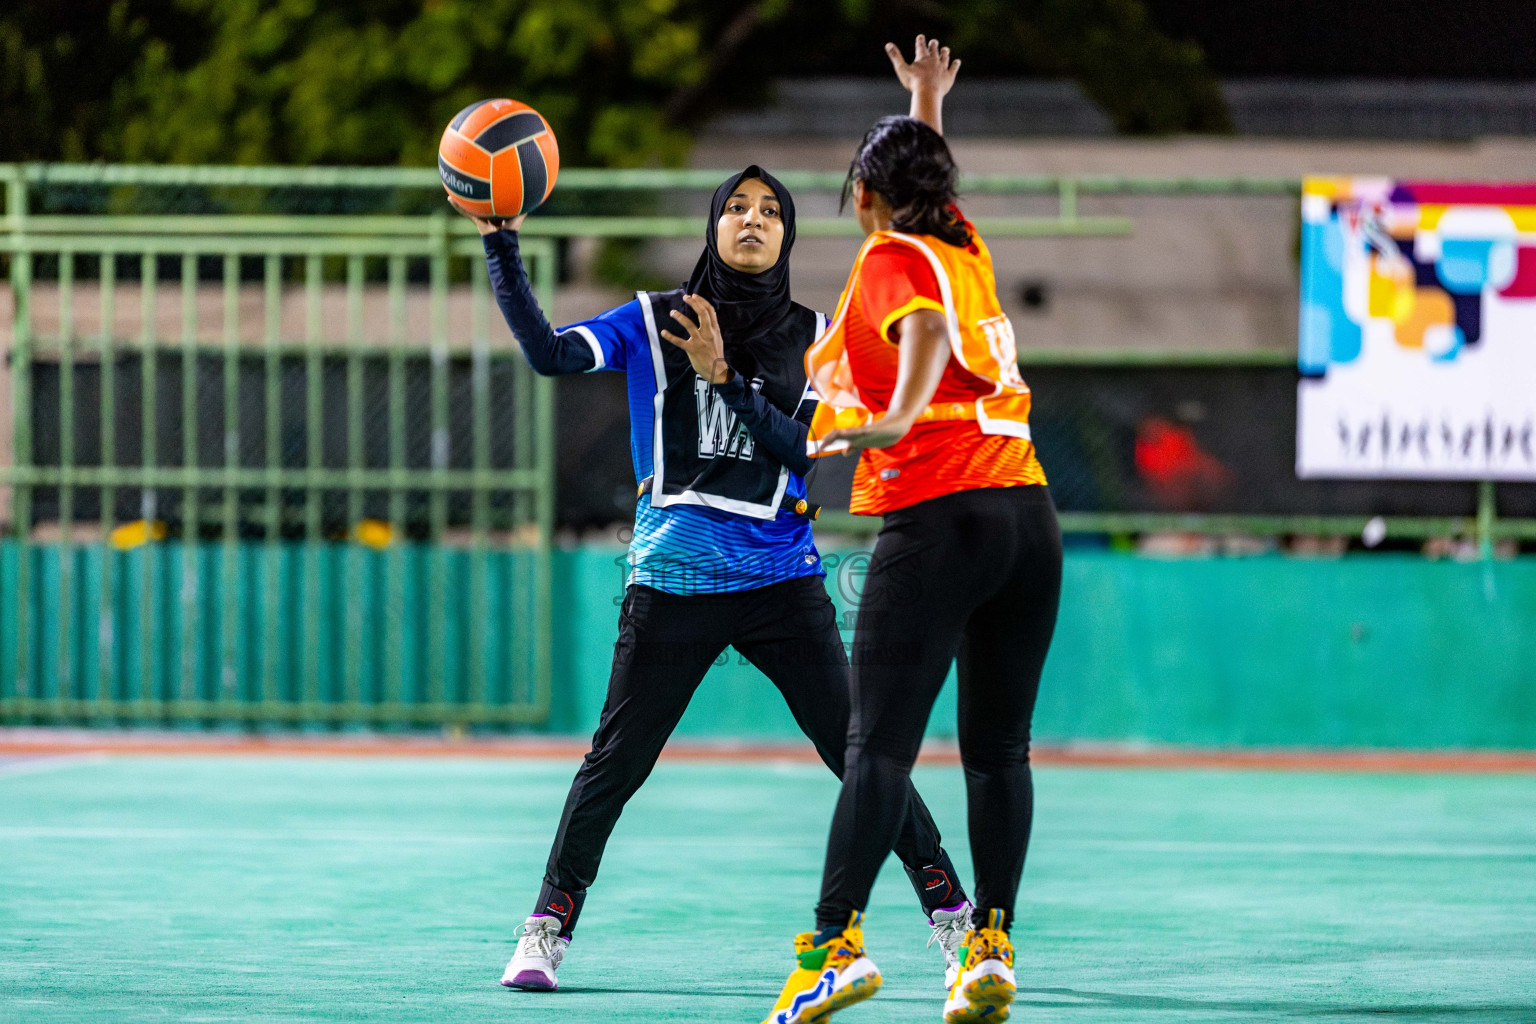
[(1376, 650), (350, 580)]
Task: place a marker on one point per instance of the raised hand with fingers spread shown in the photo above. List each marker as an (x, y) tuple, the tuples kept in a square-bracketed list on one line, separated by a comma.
[(929, 76)]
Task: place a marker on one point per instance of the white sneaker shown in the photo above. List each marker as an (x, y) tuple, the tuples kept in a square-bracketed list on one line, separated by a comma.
[(949, 930), (539, 952)]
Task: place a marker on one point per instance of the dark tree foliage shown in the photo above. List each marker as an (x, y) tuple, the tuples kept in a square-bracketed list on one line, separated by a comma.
[(1146, 81), (1487, 39), (621, 81), (60, 61)]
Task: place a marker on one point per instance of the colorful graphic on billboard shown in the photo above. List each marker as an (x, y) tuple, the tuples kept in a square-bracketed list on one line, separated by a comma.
[(1418, 330)]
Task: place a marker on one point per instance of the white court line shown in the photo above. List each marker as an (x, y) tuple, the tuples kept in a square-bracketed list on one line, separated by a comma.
[(1044, 848), (45, 763)]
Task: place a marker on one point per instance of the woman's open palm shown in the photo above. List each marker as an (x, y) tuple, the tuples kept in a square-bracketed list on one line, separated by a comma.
[(930, 70)]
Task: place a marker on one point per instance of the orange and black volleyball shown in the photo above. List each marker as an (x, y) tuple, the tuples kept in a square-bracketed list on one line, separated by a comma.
[(498, 159)]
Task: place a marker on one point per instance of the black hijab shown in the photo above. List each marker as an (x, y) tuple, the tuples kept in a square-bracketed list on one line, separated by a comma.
[(750, 306), (700, 457)]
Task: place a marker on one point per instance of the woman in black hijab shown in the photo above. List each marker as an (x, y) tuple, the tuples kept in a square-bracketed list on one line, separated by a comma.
[(722, 554), (741, 334)]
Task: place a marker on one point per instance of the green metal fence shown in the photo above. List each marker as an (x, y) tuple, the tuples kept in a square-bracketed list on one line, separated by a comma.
[(23, 180), (273, 511), (435, 610), (193, 571)]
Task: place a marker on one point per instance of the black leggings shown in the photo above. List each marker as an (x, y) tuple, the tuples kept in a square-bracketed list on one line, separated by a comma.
[(974, 575), (666, 645)]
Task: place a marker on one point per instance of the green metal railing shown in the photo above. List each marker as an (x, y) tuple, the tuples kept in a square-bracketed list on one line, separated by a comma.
[(453, 630), (242, 606), (24, 179)]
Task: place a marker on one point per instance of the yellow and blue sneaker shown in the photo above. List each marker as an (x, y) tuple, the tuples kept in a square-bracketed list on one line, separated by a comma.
[(985, 986), (830, 977)]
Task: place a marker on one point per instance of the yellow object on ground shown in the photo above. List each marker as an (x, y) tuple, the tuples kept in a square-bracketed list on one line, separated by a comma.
[(375, 533), (137, 534)]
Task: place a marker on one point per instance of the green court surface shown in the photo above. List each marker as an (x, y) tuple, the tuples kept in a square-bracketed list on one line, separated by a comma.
[(218, 889)]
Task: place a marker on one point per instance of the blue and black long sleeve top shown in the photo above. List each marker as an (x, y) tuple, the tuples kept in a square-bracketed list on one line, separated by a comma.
[(683, 548)]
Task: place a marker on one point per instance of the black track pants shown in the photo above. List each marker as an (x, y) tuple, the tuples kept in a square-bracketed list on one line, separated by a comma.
[(666, 645), (975, 576)]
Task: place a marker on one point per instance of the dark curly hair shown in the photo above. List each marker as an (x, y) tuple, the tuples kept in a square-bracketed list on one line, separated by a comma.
[(909, 164)]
